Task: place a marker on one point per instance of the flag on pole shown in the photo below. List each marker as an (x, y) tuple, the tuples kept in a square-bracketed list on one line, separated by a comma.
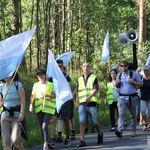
[(12, 51), (61, 86), (106, 50), (148, 61), (65, 57)]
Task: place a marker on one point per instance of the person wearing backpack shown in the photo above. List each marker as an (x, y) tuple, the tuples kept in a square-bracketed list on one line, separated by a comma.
[(12, 101), (127, 82)]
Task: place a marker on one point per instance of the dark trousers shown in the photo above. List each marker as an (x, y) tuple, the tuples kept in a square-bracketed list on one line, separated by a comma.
[(44, 120), (112, 108)]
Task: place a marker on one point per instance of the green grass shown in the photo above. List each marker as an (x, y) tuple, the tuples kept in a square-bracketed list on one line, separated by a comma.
[(34, 133)]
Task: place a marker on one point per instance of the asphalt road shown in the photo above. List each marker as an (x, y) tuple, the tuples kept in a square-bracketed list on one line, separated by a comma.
[(111, 141)]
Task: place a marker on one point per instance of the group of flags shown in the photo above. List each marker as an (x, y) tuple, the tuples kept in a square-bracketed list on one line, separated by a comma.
[(12, 51)]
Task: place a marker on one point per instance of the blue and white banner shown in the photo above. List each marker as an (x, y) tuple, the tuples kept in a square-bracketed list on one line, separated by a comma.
[(106, 49), (65, 57), (61, 86), (12, 51)]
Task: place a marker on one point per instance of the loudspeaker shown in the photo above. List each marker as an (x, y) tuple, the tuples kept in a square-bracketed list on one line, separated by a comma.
[(123, 38), (128, 38), (132, 36)]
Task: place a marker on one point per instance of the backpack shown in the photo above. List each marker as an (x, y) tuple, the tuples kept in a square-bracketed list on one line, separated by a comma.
[(131, 75), (16, 85)]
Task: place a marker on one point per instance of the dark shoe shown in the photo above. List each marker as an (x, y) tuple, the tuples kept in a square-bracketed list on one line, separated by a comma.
[(100, 139), (112, 129), (51, 145), (67, 142), (59, 139), (86, 130), (72, 137), (119, 134), (81, 144)]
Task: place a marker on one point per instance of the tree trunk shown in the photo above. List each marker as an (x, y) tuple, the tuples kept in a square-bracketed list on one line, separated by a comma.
[(16, 26), (38, 34), (47, 28), (31, 52), (142, 23)]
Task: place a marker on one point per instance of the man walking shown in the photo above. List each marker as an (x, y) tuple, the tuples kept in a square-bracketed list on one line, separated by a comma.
[(86, 102), (127, 81)]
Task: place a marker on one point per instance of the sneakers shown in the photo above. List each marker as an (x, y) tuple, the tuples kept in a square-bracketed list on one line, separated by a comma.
[(141, 123), (133, 134), (67, 142), (119, 134), (81, 144), (51, 145), (100, 139)]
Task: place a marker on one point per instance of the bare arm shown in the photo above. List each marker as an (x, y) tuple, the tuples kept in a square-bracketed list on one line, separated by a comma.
[(91, 95), (22, 99), (77, 101)]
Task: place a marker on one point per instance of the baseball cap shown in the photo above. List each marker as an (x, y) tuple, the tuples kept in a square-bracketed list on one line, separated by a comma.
[(146, 68), (115, 67), (41, 71)]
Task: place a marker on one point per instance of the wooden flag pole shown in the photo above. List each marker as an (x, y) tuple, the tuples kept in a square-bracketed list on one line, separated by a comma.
[(11, 81)]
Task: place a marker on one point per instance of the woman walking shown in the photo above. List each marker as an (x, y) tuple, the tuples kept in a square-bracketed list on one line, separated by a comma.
[(145, 98), (112, 96), (13, 112), (41, 102)]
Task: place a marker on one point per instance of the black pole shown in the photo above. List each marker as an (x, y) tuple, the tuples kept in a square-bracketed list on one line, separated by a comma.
[(135, 62)]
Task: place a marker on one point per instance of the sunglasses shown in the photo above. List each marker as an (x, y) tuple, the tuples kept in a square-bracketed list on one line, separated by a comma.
[(123, 65)]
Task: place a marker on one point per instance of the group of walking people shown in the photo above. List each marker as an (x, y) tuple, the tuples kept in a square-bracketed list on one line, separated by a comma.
[(121, 95), (128, 89)]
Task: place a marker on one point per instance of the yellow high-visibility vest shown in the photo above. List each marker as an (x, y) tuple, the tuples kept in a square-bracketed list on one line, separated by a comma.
[(85, 91), (49, 104), (110, 93)]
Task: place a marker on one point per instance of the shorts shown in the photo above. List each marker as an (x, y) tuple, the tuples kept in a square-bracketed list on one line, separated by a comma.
[(83, 111), (66, 111)]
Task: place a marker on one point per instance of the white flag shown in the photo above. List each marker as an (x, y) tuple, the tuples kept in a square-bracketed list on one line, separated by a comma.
[(61, 86), (65, 57), (106, 50), (148, 61), (12, 51)]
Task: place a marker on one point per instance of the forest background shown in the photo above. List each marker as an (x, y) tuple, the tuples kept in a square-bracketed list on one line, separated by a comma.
[(75, 25)]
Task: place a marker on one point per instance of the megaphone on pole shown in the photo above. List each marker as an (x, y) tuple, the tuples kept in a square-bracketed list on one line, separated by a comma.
[(132, 36), (128, 38)]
